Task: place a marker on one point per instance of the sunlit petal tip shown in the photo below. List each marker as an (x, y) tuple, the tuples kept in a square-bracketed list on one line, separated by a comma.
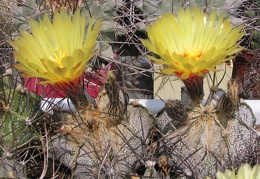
[(44, 82), (185, 76), (167, 70), (13, 44)]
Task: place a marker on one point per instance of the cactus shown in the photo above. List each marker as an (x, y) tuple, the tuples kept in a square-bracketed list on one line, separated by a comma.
[(18, 108), (118, 139), (108, 140), (217, 135), (5, 27), (249, 12)]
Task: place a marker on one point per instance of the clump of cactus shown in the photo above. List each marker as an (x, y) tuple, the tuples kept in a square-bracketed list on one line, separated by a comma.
[(114, 138)]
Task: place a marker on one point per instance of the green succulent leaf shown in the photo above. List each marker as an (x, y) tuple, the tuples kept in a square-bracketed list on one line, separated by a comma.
[(24, 11), (18, 107)]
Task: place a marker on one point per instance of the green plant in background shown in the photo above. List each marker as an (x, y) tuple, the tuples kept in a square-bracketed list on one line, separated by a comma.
[(246, 65), (18, 108), (250, 13), (6, 28)]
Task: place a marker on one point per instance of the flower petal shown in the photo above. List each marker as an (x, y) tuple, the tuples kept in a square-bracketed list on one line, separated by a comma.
[(192, 42), (56, 51)]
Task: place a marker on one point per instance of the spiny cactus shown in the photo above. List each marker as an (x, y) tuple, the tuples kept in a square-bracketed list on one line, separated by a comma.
[(106, 141), (216, 136), (113, 139), (18, 107), (5, 25), (249, 12)]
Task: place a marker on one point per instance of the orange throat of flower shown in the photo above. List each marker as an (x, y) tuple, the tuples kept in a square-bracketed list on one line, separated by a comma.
[(195, 56), (191, 75)]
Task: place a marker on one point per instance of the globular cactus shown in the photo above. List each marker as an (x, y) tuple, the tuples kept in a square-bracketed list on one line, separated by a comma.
[(216, 135), (107, 141), (173, 115)]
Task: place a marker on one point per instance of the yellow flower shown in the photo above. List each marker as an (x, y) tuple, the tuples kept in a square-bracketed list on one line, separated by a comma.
[(244, 171), (56, 51), (191, 42)]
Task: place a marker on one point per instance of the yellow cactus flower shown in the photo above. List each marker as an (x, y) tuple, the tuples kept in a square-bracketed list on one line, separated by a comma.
[(245, 171), (56, 51), (191, 43)]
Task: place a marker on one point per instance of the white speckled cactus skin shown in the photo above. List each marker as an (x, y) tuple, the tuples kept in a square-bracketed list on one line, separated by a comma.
[(207, 141), (106, 150), (210, 141)]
